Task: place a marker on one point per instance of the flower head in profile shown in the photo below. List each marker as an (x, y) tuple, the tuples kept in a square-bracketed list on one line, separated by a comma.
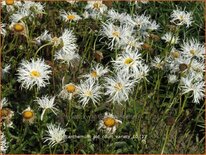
[(19, 28), (89, 91), (66, 43), (142, 72), (96, 72), (47, 103), (170, 38), (180, 17), (55, 135), (109, 123), (6, 113), (96, 6), (69, 16), (196, 88), (45, 36), (68, 91), (34, 73), (158, 63), (28, 115), (2, 30), (71, 59)]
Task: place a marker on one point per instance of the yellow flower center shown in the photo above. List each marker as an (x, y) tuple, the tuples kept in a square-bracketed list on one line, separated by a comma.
[(96, 6), (35, 74), (70, 88), (9, 2), (116, 34), (131, 44), (28, 114), (192, 52), (175, 54), (18, 27), (88, 93), (118, 86), (71, 17), (94, 74), (128, 61), (181, 17), (109, 122)]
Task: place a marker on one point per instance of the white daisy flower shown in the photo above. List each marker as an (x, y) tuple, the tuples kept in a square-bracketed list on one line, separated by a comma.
[(55, 135), (11, 4), (8, 2), (197, 66), (38, 8), (197, 69), (46, 103), (33, 73), (2, 30), (193, 48), (69, 16), (95, 15), (115, 33), (127, 19), (153, 26), (130, 43), (174, 54), (68, 91), (6, 113), (70, 58), (20, 15), (179, 17), (118, 88), (96, 6), (86, 14), (72, 2), (69, 42), (158, 63), (128, 62), (109, 123), (170, 38), (172, 78), (28, 115), (34, 7), (114, 15), (4, 102), (196, 87), (44, 37), (3, 144), (19, 28), (96, 72), (89, 91), (142, 21), (5, 70), (142, 73), (183, 63)]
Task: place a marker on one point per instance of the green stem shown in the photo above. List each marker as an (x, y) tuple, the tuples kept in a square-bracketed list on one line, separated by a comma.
[(165, 142), (41, 48)]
